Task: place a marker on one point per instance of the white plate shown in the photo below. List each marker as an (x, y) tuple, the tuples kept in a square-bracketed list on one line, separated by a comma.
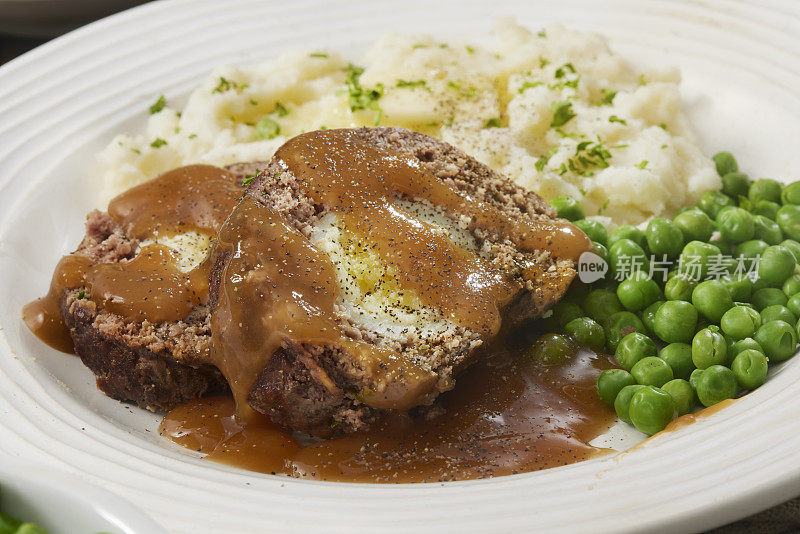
[(63, 101)]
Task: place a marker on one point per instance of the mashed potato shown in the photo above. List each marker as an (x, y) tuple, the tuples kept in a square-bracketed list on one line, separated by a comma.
[(556, 111)]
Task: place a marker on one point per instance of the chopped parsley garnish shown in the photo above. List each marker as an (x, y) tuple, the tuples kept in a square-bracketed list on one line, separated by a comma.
[(603, 207), (608, 97), (642, 81), (494, 122), (470, 49), (541, 162), (81, 295), (413, 84), (450, 120), (226, 85), (159, 105), (253, 102), (192, 136), (528, 85), (542, 34), (543, 62), (589, 155), (454, 85), (267, 129), (642, 165), (562, 113), (158, 143), (318, 54), (561, 71), (280, 109), (361, 98), (662, 126), (614, 118), (249, 178)]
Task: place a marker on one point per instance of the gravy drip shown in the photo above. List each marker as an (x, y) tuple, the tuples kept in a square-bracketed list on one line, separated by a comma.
[(149, 286), (506, 416)]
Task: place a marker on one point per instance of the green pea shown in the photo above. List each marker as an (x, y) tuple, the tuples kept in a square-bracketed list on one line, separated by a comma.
[(594, 229), (682, 394), (694, 377), (626, 231), (552, 349), (735, 224), (568, 208), (679, 357), (765, 189), (750, 369), (712, 299), (776, 312), (716, 384), (794, 248), (791, 193), (679, 287), (620, 325), (751, 249), (600, 250), (747, 343), (725, 163), (767, 230), (565, 311), (586, 332), (664, 237), (675, 321), (610, 383), (709, 348), (768, 296), (651, 409), (776, 265), (735, 184), (633, 348), (793, 304), (694, 224), (766, 208), (778, 339), (712, 202), (791, 286), (788, 218), (695, 259), (623, 401), (649, 316), (740, 287), (740, 322), (624, 255), (600, 304), (652, 371), (638, 291)]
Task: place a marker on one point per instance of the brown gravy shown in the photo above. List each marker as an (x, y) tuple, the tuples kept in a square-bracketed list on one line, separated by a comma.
[(505, 416), (150, 286)]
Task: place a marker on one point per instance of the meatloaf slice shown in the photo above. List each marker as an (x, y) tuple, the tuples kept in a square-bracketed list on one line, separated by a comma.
[(156, 366), (320, 389)]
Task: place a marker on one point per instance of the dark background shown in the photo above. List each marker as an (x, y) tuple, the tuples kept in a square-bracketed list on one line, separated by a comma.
[(15, 39)]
